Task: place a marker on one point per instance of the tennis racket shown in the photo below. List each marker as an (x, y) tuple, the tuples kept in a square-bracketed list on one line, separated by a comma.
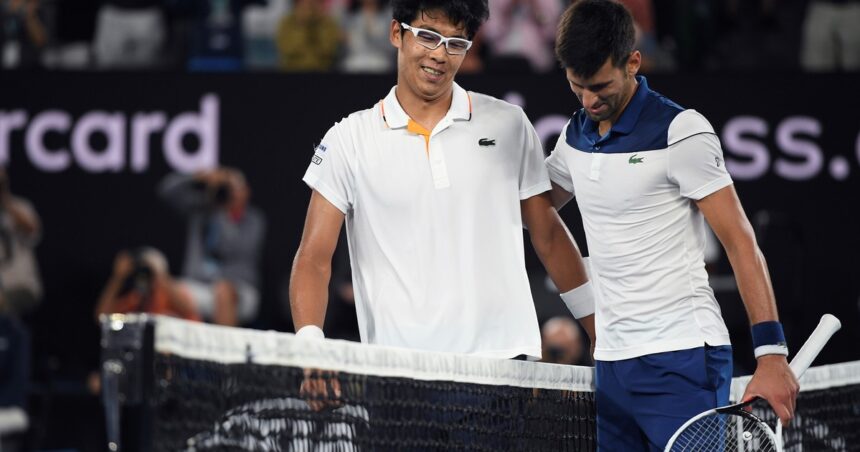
[(731, 428)]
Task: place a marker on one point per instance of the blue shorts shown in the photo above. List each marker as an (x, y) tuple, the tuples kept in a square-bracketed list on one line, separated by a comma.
[(642, 401)]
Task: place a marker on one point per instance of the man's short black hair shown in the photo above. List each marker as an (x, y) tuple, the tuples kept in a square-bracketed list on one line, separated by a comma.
[(469, 13), (590, 31)]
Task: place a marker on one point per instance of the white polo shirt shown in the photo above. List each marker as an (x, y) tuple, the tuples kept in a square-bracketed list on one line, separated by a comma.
[(636, 187), (434, 223)]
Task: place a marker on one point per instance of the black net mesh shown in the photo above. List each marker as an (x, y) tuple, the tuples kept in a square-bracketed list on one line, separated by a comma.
[(202, 405), (225, 389), (826, 419)]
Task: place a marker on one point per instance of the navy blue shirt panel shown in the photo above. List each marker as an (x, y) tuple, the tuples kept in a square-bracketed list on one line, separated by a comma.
[(643, 126)]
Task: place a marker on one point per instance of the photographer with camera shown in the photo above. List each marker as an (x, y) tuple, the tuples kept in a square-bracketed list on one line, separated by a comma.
[(141, 282), (224, 240)]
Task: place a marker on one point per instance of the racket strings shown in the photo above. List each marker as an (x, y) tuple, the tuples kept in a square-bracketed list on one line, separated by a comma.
[(725, 432)]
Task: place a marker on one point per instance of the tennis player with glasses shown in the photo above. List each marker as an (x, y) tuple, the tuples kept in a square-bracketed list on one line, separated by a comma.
[(647, 174), (435, 184)]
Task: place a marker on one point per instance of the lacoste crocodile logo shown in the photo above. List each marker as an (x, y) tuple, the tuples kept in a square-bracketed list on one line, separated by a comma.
[(486, 142), (634, 160)]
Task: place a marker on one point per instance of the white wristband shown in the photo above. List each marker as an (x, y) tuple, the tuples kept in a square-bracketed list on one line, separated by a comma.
[(310, 332), (773, 349), (580, 300)]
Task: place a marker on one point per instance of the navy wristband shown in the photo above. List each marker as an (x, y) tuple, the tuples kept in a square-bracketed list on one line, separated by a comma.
[(768, 333)]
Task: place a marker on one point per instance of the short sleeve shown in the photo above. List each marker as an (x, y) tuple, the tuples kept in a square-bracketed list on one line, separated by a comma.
[(534, 179), (559, 172), (696, 161), (330, 172)]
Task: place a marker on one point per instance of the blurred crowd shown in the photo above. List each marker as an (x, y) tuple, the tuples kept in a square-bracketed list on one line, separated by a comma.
[(351, 36)]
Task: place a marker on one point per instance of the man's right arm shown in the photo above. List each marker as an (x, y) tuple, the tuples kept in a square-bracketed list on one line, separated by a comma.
[(311, 271)]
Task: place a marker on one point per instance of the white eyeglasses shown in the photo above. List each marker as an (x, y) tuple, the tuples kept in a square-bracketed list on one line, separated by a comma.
[(432, 40)]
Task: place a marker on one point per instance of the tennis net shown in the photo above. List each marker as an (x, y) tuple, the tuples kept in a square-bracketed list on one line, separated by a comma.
[(827, 416), (211, 388)]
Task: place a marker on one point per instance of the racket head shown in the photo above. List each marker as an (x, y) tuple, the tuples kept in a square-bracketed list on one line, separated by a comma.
[(728, 429)]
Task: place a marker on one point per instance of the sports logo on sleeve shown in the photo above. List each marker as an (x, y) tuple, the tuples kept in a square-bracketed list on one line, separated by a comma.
[(319, 151), (634, 159)]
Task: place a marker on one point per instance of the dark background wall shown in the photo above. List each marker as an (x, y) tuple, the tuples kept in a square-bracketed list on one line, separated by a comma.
[(792, 144)]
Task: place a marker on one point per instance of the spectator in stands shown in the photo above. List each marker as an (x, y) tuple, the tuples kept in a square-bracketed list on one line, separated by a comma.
[(224, 241), (562, 342), (214, 31), (831, 36), (130, 34), (523, 29), (260, 23), (20, 230), (308, 38), (367, 47), (23, 34), (141, 282)]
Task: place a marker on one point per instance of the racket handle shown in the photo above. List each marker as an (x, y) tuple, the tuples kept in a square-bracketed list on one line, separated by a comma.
[(828, 325)]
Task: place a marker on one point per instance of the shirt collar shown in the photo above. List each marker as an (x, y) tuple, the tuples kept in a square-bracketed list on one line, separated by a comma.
[(395, 117), (631, 113)]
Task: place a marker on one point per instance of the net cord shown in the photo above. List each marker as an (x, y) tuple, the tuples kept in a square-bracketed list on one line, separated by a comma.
[(238, 345)]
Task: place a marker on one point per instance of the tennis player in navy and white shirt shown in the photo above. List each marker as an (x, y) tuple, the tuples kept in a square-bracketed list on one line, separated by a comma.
[(634, 188), (647, 174)]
